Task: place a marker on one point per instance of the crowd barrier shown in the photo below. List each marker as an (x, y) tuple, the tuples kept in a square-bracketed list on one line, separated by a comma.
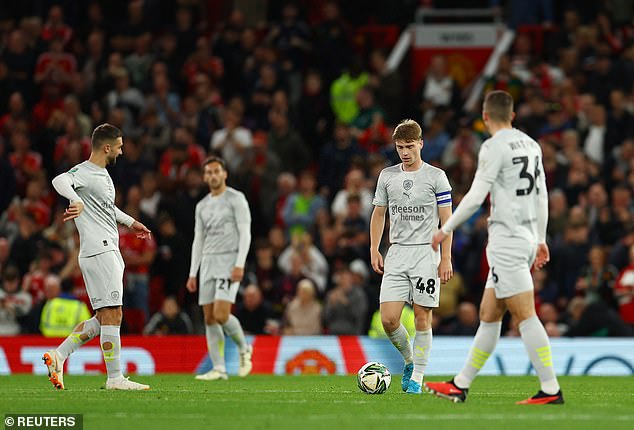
[(289, 355)]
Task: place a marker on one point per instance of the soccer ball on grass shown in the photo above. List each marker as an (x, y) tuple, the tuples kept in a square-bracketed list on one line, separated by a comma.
[(374, 378)]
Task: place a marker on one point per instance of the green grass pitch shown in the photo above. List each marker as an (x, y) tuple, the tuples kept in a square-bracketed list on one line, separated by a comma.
[(320, 402)]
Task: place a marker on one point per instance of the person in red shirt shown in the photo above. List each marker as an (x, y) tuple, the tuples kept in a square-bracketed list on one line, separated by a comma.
[(26, 163), (624, 291)]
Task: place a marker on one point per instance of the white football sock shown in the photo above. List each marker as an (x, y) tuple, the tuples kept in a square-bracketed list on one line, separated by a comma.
[(422, 348), (400, 339), (483, 345), (538, 347), (216, 346), (111, 349), (89, 330), (233, 329)]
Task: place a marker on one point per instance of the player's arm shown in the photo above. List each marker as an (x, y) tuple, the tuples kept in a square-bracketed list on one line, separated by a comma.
[(142, 232), (445, 269), (489, 164), (197, 252), (63, 184), (243, 225), (377, 224), (543, 254)]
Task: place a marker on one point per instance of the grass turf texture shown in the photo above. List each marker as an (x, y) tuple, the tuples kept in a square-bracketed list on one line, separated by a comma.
[(319, 402)]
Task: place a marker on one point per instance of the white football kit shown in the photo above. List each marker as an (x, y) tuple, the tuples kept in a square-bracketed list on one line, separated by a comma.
[(222, 236), (412, 200), (100, 260), (510, 168)]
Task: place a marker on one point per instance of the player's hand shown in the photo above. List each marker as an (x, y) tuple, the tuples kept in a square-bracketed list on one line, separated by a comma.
[(142, 232), (377, 261), (73, 210), (191, 285), (438, 237), (542, 257), (237, 274), (445, 270)]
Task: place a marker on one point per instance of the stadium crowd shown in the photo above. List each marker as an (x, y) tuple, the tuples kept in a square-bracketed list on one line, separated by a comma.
[(302, 109)]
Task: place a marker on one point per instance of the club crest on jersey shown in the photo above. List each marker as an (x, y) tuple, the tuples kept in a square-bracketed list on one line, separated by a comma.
[(407, 185)]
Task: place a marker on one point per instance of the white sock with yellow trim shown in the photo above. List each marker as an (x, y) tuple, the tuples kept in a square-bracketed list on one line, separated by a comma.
[(88, 331), (538, 347), (216, 346), (111, 348), (400, 340), (422, 348), (483, 345)]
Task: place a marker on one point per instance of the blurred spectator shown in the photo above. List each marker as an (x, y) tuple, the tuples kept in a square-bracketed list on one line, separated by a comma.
[(33, 281), (286, 143), (345, 306), (172, 253), (312, 263), (435, 140), (465, 323), (255, 314), (343, 92), (388, 86), (25, 162), (315, 113), (597, 279), (233, 141), (62, 311), (336, 158), (596, 320), (301, 207), (170, 320), (505, 80), (331, 46), (14, 303), (438, 90), (354, 185), (624, 291), (138, 255), (303, 314)]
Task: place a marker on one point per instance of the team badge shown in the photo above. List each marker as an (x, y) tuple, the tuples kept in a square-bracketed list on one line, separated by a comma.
[(408, 184), (114, 295)]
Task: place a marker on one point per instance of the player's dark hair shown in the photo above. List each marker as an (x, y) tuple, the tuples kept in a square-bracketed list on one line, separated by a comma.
[(214, 159), (499, 106), (407, 130), (104, 133)]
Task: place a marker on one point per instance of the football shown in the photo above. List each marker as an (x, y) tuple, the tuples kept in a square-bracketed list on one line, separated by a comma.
[(374, 378)]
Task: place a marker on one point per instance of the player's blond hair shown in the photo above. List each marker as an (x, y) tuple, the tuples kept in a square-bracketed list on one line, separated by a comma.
[(407, 130), (499, 106)]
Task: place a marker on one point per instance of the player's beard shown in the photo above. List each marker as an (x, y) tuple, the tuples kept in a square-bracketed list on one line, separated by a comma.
[(112, 161)]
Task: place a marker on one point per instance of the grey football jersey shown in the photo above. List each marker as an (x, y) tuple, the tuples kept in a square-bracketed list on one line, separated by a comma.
[(512, 163), (97, 224), (217, 219), (412, 199)]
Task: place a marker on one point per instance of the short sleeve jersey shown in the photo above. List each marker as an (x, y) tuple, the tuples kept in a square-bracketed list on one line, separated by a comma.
[(512, 163), (97, 224), (217, 219), (413, 199)]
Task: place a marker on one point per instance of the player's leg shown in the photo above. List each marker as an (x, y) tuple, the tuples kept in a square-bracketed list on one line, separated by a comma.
[(54, 359), (486, 338), (537, 344), (226, 293), (106, 274), (422, 347), (398, 335), (215, 343)]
